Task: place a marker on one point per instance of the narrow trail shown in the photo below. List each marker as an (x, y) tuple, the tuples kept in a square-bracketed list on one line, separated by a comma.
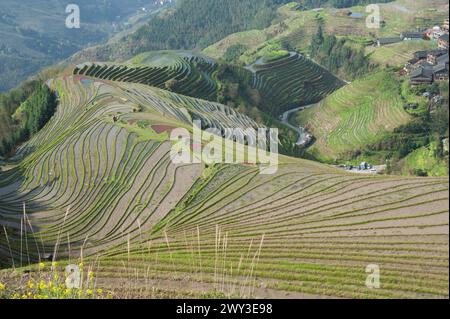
[(300, 130)]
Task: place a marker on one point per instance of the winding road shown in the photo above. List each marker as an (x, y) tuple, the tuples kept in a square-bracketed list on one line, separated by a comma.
[(300, 130)]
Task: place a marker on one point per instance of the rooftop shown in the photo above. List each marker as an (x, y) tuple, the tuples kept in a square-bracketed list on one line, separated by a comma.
[(413, 35), (422, 72), (444, 37), (389, 40), (356, 15), (442, 59)]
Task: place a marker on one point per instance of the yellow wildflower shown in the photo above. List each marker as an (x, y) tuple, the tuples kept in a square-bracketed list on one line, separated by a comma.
[(55, 264), (91, 275), (89, 292), (41, 265), (100, 291), (2, 286), (56, 276), (109, 296), (42, 285), (24, 297), (30, 284)]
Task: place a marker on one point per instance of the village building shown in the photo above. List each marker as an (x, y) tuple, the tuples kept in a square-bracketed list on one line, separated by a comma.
[(445, 26), (422, 75), (427, 59), (434, 33), (441, 72), (443, 42), (410, 36), (386, 41), (355, 15), (419, 55), (435, 57), (424, 72)]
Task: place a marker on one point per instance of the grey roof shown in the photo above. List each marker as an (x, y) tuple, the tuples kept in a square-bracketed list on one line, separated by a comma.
[(389, 40), (438, 52), (425, 64), (422, 72), (442, 59), (413, 35), (421, 54), (356, 15), (444, 37), (440, 68)]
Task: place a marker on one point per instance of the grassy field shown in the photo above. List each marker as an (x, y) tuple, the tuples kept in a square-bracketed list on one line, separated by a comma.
[(105, 194), (424, 159), (399, 53), (250, 38), (354, 116)]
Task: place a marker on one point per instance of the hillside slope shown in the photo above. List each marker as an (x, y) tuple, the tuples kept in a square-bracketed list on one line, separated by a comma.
[(282, 84), (33, 34), (292, 81), (178, 71), (354, 116), (98, 179), (295, 26)]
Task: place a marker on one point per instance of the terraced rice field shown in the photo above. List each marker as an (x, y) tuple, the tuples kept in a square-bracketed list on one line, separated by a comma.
[(283, 84), (354, 116), (109, 190), (292, 81), (191, 75)]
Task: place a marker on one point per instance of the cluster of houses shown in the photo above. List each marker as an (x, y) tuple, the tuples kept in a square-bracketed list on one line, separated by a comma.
[(428, 67), (436, 33), (363, 168)]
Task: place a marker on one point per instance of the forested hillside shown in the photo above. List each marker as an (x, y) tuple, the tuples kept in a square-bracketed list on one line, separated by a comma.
[(202, 22), (338, 56), (196, 24), (23, 112)]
